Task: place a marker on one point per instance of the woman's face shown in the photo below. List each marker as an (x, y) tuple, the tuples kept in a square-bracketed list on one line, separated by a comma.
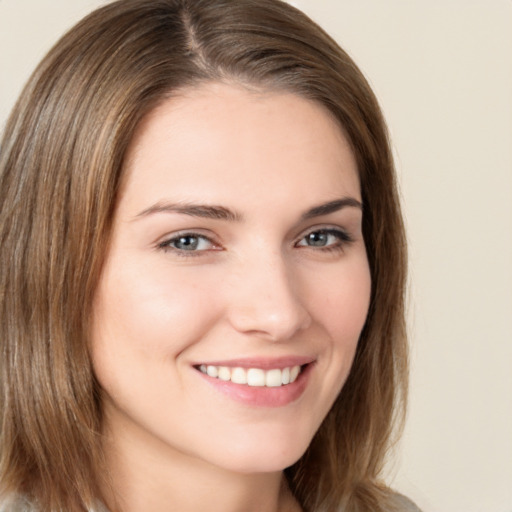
[(237, 260)]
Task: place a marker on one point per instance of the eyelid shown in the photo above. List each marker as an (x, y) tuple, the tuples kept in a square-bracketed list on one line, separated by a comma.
[(165, 243), (332, 228), (342, 234)]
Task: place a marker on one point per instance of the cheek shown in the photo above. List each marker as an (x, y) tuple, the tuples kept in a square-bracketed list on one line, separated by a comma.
[(340, 308), (341, 300), (149, 314)]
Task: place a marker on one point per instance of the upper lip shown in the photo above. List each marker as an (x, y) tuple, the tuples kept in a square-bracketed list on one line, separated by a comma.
[(264, 363)]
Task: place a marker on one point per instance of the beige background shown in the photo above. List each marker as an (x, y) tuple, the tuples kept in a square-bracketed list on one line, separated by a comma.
[(443, 72)]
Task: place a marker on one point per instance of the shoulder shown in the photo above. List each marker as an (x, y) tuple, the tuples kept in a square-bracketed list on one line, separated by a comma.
[(403, 504), (19, 504), (15, 504)]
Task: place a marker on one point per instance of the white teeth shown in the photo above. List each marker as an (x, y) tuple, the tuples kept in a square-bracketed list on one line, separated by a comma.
[(224, 373), (212, 371), (255, 377), (238, 376), (273, 379)]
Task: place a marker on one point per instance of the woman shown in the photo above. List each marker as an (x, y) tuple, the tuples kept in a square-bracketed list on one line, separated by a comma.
[(203, 272)]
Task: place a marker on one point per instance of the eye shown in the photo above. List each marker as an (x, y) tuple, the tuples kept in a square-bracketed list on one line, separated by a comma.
[(188, 242), (325, 239)]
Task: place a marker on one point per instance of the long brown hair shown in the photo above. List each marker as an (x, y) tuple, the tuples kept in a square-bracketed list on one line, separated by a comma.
[(61, 166)]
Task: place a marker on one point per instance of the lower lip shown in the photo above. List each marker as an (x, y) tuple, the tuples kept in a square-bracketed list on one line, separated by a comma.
[(262, 396)]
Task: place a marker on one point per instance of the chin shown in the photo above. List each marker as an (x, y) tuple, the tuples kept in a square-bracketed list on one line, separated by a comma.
[(263, 456)]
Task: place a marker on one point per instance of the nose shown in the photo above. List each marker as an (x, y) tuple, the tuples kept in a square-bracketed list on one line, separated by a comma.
[(266, 301)]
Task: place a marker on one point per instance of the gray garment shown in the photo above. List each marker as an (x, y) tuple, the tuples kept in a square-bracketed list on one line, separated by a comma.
[(20, 504), (404, 504), (16, 504)]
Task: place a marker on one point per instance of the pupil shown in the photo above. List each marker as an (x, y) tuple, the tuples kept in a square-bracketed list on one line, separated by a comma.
[(317, 239), (187, 243)]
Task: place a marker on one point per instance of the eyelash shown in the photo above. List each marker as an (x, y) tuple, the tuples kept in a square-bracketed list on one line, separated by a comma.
[(166, 245), (342, 238)]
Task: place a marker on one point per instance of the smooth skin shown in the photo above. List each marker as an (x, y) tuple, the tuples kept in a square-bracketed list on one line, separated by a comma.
[(219, 252)]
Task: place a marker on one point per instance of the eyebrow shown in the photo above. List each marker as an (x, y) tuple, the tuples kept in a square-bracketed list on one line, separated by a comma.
[(194, 210), (331, 207), (222, 213)]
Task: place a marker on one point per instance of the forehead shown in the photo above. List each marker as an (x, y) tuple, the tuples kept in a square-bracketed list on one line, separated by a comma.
[(227, 135)]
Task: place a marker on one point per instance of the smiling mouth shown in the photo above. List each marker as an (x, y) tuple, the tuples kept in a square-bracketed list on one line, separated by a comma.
[(254, 377)]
